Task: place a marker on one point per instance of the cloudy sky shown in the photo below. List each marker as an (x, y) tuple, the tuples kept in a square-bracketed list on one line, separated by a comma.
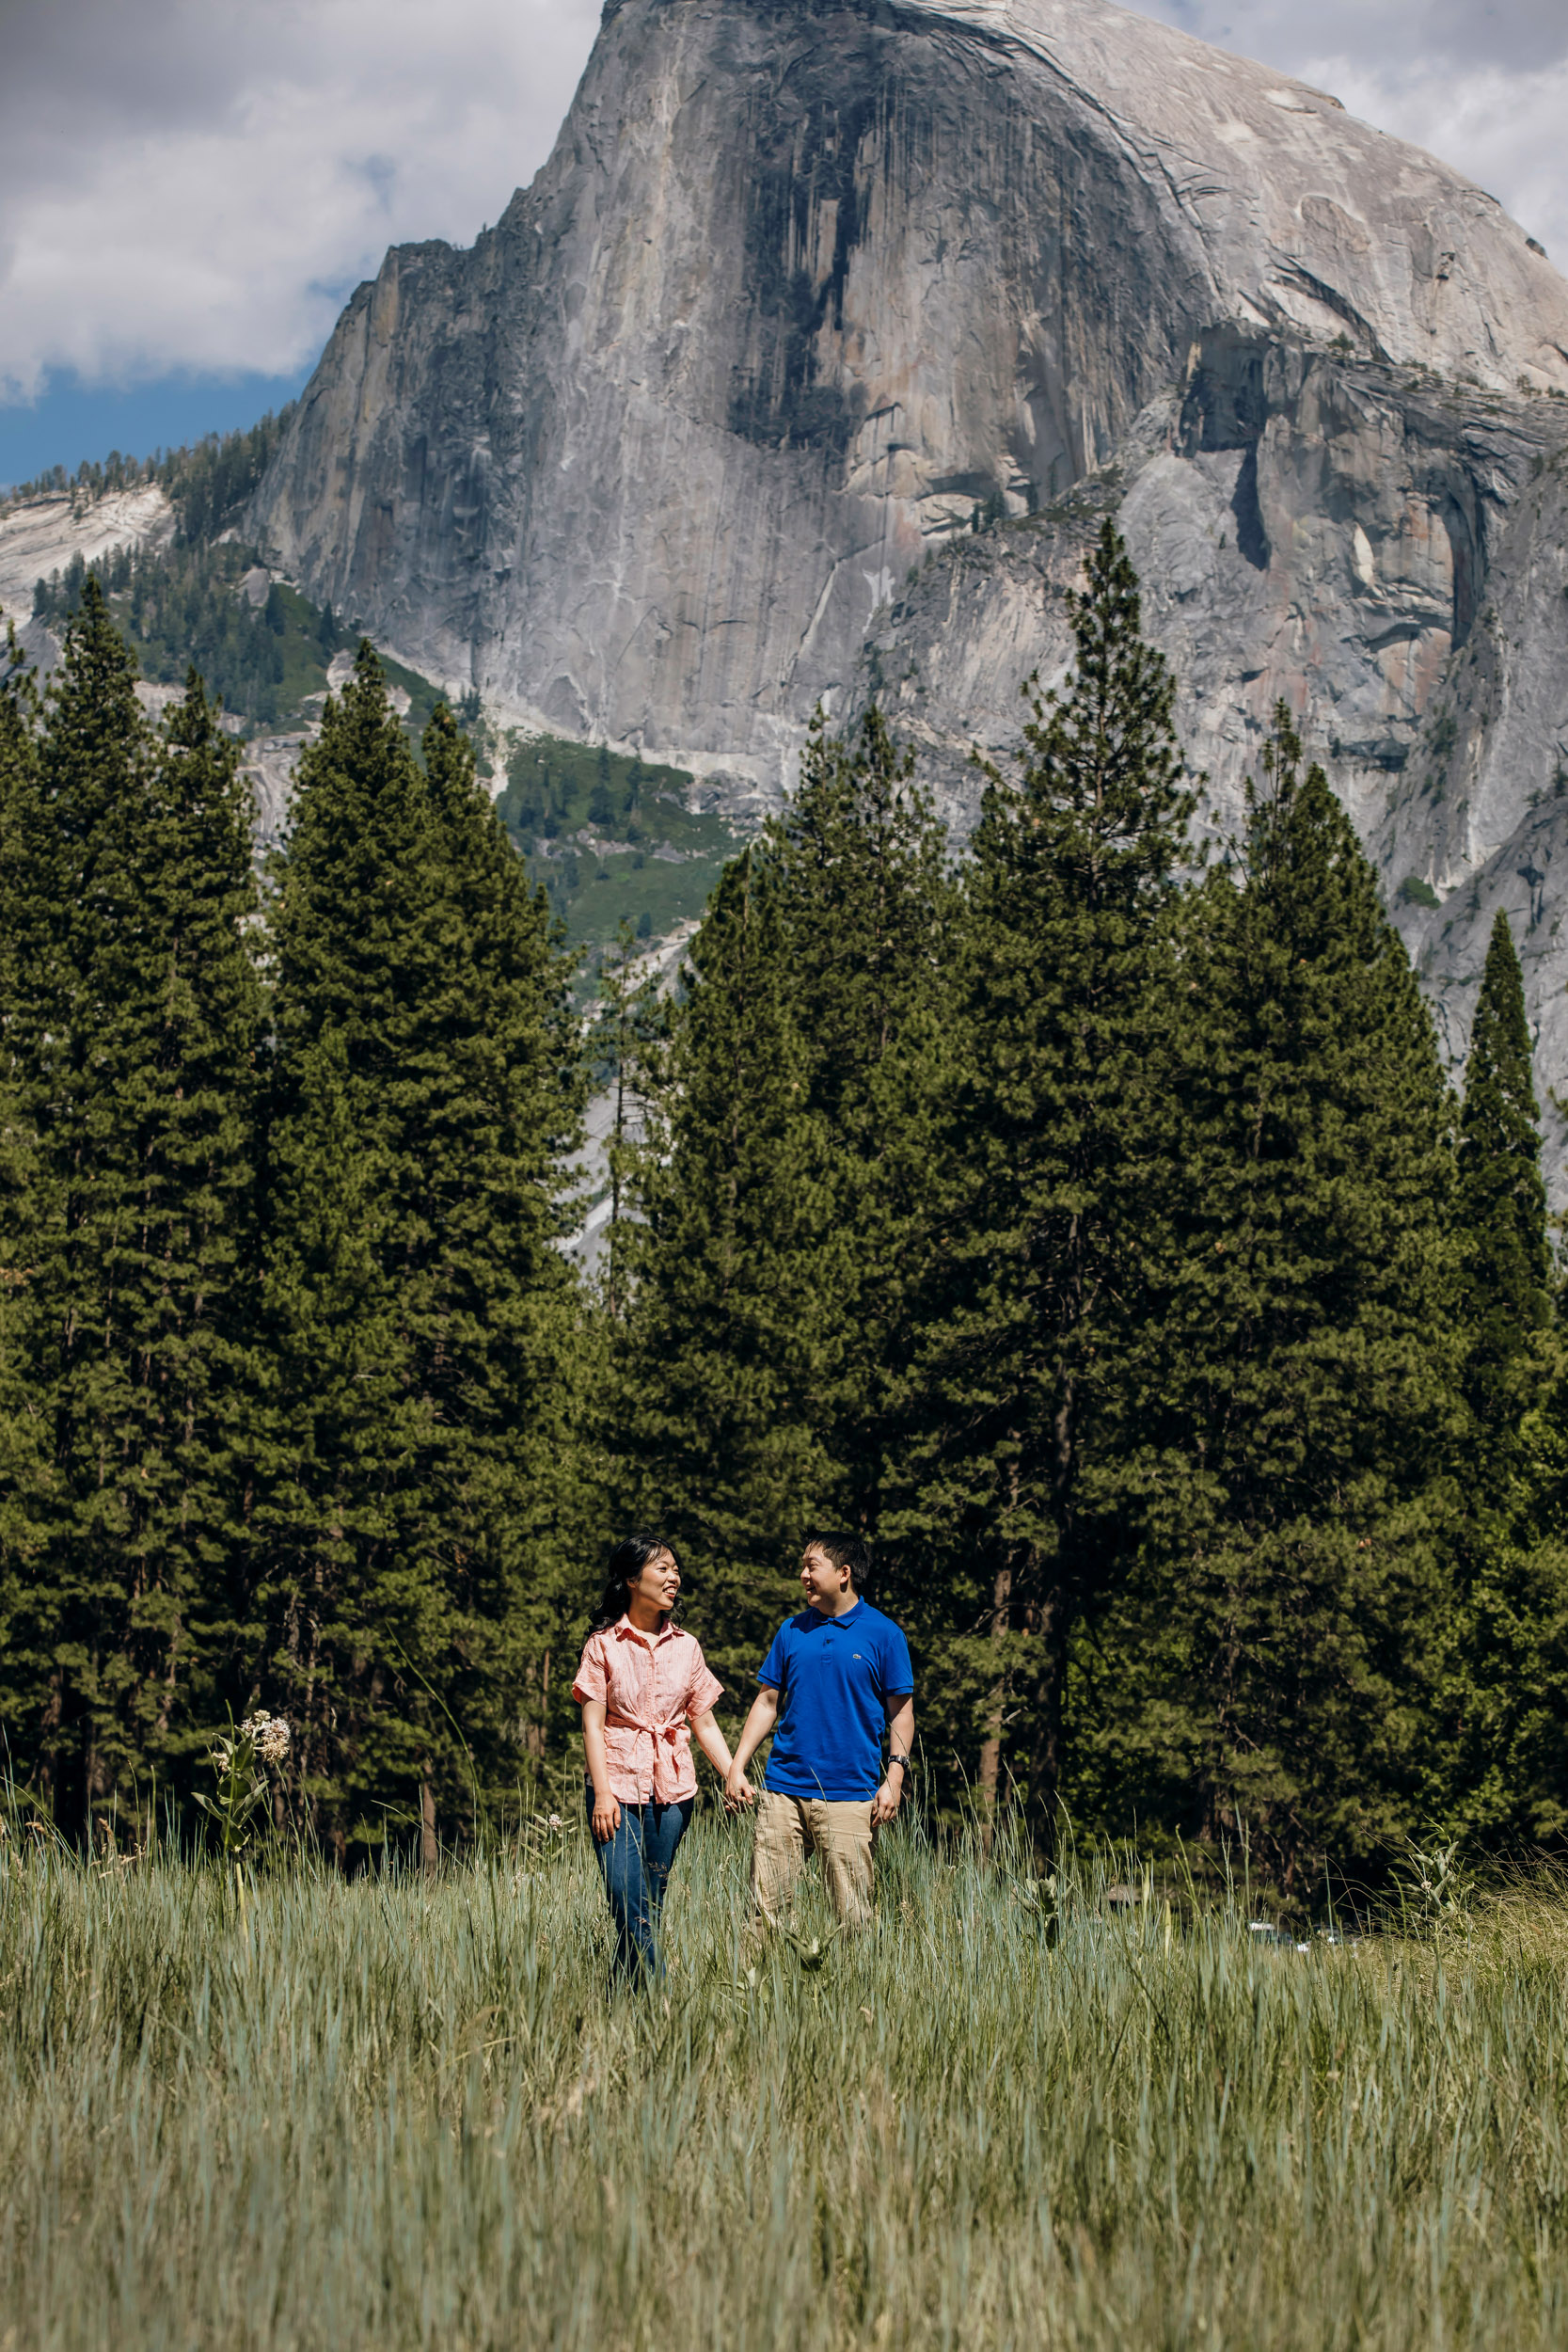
[(189, 188)]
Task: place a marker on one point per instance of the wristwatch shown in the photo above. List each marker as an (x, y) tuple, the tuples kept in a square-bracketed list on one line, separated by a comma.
[(902, 1761)]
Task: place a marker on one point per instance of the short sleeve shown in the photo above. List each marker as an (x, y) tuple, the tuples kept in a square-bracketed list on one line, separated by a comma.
[(706, 1690), (770, 1674), (591, 1681), (897, 1673)]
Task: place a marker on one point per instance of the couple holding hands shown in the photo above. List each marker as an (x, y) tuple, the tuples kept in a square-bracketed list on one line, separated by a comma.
[(835, 1678)]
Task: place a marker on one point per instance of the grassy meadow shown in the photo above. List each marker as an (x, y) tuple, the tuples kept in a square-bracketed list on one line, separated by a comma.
[(397, 2112)]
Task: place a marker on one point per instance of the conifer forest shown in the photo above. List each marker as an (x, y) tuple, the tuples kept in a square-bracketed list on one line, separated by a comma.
[(1084, 1216)]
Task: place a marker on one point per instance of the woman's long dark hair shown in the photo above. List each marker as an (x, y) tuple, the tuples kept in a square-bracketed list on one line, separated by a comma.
[(627, 1563)]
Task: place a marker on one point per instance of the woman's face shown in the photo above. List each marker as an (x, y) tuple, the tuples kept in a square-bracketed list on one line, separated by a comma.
[(657, 1582)]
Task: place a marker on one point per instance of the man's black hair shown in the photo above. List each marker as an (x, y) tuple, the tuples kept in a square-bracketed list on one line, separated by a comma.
[(627, 1563), (846, 1552)]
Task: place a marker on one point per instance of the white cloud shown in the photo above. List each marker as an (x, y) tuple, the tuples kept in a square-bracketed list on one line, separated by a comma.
[(196, 183)]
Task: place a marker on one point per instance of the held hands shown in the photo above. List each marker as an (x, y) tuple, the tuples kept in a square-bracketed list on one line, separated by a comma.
[(739, 1793), (607, 1816)]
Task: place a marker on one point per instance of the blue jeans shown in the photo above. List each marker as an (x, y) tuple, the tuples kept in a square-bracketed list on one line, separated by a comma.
[(636, 1867)]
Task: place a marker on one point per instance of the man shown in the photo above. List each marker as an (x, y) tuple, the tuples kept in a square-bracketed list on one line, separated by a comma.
[(835, 1676)]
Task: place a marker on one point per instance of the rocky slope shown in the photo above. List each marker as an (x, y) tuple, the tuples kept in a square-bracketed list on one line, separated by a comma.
[(1385, 551), (39, 536), (696, 434)]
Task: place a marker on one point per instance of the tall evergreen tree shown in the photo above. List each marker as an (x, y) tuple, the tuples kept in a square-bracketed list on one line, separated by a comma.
[(19, 716), (20, 1430), (19, 795), (866, 908), (1502, 1772), (137, 1025), (1294, 1388), (711, 1428), (417, 1314), (1056, 1125), (627, 1045), (772, 1269), (1500, 1201), (514, 1104)]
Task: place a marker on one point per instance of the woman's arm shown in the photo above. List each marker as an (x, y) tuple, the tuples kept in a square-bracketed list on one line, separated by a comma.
[(607, 1813), (759, 1722), (706, 1731)]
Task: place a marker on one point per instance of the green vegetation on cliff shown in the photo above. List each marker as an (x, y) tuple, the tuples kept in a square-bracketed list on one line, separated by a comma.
[(612, 839), (261, 648), (207, 481)]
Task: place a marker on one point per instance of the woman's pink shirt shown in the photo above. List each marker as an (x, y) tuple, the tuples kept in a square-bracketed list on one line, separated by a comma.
[(653, 1687)]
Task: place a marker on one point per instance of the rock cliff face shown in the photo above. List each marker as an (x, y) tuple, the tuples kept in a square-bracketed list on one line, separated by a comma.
[(695, 436), (1386, 551), (43, 536)]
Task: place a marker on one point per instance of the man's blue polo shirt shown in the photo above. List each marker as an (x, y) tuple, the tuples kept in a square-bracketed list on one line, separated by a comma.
[(835, 1677)]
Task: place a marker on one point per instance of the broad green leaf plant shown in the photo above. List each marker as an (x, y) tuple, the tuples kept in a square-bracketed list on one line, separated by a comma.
[(240, 1765)]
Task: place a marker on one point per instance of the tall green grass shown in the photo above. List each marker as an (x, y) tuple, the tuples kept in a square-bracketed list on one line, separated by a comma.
[(397, 2112)]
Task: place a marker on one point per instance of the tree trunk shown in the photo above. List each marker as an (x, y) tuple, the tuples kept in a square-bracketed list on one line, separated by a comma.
[(429, 1853), (1045, 1727), (534, 1729), (991, 1747)]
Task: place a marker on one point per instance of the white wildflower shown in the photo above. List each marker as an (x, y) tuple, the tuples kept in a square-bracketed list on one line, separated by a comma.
[(272, 1741), (268, 1736)]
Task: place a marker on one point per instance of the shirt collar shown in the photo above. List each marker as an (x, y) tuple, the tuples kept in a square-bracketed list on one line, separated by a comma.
[(845, 1617), (626, 1631)]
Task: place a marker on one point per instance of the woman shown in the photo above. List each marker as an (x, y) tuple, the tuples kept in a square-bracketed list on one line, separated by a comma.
[(643, 1690)]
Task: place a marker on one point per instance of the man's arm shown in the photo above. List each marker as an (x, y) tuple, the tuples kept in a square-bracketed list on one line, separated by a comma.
[(758, 1723), (901, 1740), (706, 1731)]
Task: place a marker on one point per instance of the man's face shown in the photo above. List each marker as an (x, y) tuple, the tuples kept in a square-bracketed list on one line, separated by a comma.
[(824, 1585)]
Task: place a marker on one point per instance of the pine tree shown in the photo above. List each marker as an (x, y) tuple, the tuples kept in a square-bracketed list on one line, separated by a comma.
[(710, 1425), (20, 1433), (628, 1044), (865, 908), (416, 1312), (772, 1269), (1500, 1201), (19, 795), (1504, 1776), (1055, 1131), (1292, 1396), (510, 1122), (187, 1265), (136, 1024)]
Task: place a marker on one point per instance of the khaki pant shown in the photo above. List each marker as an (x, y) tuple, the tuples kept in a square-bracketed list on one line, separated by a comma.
[(789, 1829)]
